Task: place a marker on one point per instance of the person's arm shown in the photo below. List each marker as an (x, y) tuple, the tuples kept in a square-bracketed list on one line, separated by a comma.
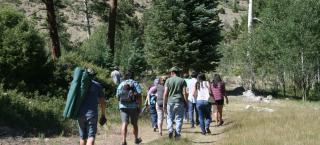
[(165, 99), (137, 93), (147, 100), (225, 93), (102, 105), (194, 92), (185, 95)]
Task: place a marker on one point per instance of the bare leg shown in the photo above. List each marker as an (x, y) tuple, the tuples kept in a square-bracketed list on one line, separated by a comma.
[(216, 115), (82, 142), (124, 130), (90, 141), (220, 113), (135, 131), (160, 122)]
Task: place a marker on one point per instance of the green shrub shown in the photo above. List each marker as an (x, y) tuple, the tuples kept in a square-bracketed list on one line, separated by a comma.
[(23, 59), (67, 63), (33, 115)]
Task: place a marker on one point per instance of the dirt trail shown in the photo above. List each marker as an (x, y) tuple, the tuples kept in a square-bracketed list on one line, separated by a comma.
[(110, 134)]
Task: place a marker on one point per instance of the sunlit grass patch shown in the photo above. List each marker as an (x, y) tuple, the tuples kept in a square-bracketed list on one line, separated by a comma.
[(292, 123)]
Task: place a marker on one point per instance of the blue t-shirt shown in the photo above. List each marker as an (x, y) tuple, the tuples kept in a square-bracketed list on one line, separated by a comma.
[(137, 89), (89, 108)]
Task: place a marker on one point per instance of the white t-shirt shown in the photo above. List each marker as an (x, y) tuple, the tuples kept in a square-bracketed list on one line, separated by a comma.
[(191, 83), (116, 76), (203, 92)]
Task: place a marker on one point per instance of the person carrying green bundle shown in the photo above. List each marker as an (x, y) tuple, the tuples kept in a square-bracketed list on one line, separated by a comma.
[(87, 117)]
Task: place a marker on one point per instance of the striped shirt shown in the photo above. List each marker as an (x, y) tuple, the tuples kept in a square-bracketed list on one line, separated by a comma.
[(218, 91)]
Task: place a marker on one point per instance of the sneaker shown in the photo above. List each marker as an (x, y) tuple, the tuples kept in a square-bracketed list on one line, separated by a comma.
[(208, 130), (177, 136), (138, 140), (124, 143), (203, 133), (170, 134), (192, 126), (154, 129)]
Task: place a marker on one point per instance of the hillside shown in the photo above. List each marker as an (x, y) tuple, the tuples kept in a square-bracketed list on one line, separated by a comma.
[(75, 19)]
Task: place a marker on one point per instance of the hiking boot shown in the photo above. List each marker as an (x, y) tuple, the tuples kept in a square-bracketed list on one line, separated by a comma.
[(138, 140), (208, 130), (170, 134)]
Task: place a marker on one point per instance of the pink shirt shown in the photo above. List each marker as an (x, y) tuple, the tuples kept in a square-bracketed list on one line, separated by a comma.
[(218, 91)]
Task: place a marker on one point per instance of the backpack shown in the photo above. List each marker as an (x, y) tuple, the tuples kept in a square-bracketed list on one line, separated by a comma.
[(127, 90)]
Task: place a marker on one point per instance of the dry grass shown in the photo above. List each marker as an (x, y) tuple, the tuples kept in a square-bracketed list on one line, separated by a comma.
[(293, 123)]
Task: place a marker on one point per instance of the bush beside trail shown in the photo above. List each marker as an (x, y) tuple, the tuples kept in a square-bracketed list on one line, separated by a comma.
[(37, 115)]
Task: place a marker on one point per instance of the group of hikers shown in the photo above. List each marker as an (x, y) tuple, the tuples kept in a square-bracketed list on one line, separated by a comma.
[(174, 97)]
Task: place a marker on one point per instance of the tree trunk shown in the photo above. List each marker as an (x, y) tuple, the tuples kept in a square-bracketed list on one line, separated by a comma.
[(284, 83), (303, 76), (53, 29), (318, 73), (87, 17), (112, 25)]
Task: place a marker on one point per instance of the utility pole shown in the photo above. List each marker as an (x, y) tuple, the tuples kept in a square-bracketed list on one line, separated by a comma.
[(250, 16), (250, 65)]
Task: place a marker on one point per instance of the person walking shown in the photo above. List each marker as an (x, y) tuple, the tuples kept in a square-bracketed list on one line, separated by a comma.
[(88, 112), (175, 101), (219, 93), (129, 95), (159, 104), (186, 113), (151, 100), (116, 76), (192, 109), (202, 94)]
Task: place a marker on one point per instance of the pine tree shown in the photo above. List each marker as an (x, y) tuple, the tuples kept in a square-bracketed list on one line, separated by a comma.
[(182, 33)]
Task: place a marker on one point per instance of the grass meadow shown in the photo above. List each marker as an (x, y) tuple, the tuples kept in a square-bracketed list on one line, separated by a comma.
[(292, 123)]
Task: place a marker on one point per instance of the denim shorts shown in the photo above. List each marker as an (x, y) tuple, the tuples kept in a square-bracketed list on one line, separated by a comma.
[(87, 127)]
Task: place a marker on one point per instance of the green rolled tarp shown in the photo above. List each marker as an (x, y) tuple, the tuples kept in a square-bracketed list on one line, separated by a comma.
[(77, 92)]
